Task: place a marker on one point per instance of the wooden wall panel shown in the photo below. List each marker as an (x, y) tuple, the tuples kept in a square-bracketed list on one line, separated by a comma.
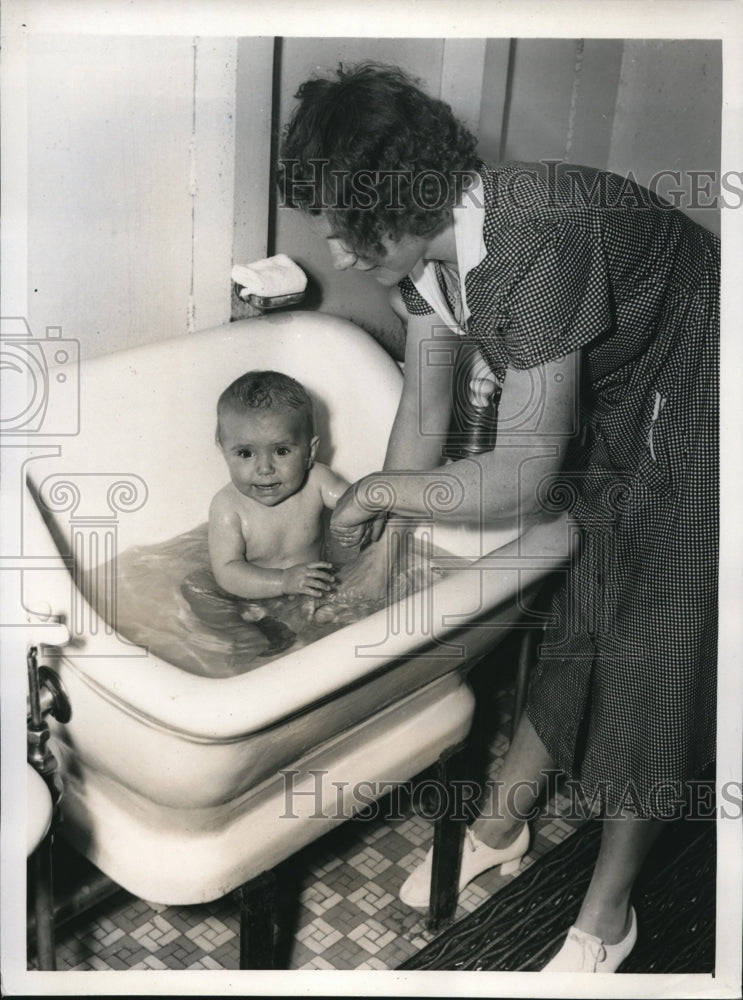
[(668, 118), (253, 172), (130, 186)]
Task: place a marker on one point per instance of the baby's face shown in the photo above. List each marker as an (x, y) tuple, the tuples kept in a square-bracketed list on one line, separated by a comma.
[(268, 454)]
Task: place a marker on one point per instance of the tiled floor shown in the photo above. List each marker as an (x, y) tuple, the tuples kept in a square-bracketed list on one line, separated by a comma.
[(338, 903)]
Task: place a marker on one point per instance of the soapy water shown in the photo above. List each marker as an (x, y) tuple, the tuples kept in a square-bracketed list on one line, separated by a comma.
[(168, 601)]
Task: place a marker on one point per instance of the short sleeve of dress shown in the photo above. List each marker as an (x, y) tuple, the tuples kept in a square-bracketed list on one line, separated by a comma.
[(414, 301), (549, 293)]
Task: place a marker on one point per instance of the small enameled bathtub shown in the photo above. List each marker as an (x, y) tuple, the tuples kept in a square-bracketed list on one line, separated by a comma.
[(179, 786)]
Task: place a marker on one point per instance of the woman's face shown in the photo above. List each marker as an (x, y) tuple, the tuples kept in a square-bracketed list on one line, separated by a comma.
[(400, 257)]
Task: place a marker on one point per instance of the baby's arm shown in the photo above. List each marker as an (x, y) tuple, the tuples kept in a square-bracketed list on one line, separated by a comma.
[(332, 488), (244, 579)]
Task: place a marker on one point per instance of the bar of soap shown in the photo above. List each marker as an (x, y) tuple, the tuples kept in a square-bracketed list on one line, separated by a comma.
[(268, 278)]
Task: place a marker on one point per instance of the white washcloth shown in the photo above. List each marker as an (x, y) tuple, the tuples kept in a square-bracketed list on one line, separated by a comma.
[(268, 278)]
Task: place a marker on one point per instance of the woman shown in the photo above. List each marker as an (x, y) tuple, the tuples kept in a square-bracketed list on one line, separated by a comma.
[(584, 285)]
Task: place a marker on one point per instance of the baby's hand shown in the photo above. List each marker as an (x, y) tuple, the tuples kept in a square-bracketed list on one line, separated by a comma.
[(313, 579), (348, 537), (359, 534)]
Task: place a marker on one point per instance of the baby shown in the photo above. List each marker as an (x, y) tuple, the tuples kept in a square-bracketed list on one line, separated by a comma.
[(265, 525)]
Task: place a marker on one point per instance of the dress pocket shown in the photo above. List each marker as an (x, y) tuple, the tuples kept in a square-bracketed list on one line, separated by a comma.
[(663, 457)]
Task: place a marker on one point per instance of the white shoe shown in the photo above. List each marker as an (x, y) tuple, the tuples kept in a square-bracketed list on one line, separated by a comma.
[(584, 952), (476, 858)]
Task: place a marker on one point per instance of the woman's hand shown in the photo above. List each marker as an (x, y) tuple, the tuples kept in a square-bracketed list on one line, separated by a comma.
[(352, 523), (367, 576)]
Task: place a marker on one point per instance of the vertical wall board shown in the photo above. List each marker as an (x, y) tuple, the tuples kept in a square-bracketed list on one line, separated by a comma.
[(462, 76), (596, 79), (14, 187), (541, 91), (494, 94), (213, 180), (109, 229), (253, 177), (668, 118)]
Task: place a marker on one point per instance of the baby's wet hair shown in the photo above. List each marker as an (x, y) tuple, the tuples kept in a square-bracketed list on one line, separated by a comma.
[(266, 391)]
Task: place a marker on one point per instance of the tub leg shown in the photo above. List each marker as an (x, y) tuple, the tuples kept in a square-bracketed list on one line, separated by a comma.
[(257, 899), (41, 862), (448, 834), (527, 659), (528, 654)]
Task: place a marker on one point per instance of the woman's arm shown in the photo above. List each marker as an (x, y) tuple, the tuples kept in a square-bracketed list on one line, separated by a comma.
[(423, 415), (537, 419)]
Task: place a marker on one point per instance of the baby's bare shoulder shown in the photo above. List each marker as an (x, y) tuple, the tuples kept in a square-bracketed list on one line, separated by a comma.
[(224, 503), (318, 471), (323, 474)]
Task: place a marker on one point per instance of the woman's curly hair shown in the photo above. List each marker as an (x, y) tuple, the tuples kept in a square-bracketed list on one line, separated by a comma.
[(376, 154)]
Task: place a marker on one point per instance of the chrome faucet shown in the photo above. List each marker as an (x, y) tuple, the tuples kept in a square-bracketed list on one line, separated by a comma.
[(46, 696)]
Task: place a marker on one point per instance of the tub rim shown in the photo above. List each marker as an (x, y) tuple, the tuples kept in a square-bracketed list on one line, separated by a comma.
[(204, 708)]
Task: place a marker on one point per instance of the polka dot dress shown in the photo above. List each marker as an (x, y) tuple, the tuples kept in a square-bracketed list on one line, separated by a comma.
[(623, 696)]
